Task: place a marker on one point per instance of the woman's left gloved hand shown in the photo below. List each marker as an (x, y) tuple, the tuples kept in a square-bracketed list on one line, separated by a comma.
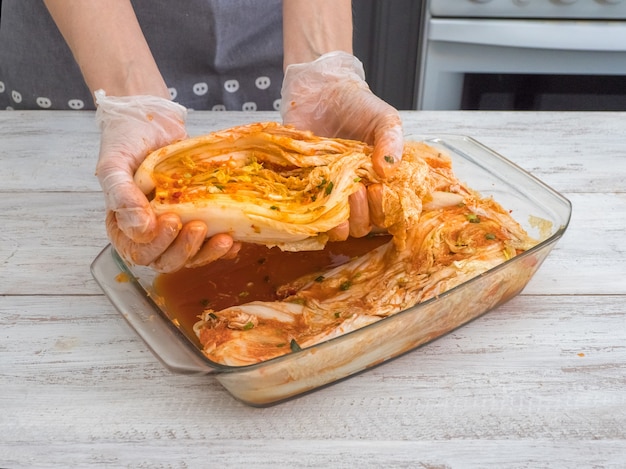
[(330, 97)]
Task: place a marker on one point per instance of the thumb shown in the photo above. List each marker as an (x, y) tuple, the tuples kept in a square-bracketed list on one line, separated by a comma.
[(133, 213), (388, 146)]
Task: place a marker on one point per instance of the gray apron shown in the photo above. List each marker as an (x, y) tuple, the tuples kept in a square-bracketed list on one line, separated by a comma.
[(213, 54)]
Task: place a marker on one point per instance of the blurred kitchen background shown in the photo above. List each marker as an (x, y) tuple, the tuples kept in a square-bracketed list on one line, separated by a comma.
[(386, 39), (494, 54)]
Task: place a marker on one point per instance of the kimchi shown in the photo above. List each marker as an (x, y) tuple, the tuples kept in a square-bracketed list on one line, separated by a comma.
[(269, 184)]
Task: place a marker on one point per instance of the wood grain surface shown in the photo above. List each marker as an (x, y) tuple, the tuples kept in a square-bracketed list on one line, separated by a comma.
[(538, 383)]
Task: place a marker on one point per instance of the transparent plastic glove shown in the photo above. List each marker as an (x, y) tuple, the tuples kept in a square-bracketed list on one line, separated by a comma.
[(132, 127), (330, 97)]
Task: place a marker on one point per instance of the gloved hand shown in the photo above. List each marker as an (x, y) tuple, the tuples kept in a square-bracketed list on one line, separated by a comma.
[(330, 97), (132, 127)]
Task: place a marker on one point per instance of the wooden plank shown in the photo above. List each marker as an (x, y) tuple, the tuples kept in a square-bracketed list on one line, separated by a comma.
[(49, 241), (58, 235), (564, 150), (570, 151), (175, 450), (541, 374), (591, 256), (62, 148)]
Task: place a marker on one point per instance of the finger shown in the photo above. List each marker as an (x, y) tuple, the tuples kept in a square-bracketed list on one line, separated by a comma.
[(214, 248), (375, 204), (340, 232), (167, 228), (138, 222), (233, 251), (134, 215), (187, 244), (388, 145), (359, 213)]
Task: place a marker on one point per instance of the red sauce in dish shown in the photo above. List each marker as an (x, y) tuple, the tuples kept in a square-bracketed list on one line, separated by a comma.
[(255, 274)]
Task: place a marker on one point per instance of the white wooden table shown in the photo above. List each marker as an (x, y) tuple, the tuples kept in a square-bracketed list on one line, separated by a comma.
[(539, 382)]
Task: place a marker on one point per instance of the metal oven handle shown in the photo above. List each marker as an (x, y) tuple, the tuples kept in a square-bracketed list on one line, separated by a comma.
[(533, 34)]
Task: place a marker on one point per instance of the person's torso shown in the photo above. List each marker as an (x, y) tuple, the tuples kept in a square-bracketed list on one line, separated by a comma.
[(213, 54)]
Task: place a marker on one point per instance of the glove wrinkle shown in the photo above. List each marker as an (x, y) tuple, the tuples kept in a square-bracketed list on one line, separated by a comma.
[(137, 253), (185, 246), (330, 97), (219, 246)]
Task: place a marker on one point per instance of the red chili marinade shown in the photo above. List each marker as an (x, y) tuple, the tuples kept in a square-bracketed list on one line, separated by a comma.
[(255, 274)]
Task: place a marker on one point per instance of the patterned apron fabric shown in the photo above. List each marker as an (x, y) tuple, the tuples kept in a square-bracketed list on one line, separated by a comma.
[(213, 54)]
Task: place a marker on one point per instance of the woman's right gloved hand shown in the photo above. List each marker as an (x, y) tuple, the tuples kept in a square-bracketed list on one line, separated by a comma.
[(331, 97), (132, 127)]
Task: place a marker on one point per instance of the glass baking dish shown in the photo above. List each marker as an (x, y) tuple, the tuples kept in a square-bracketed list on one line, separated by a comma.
[(540, 210)]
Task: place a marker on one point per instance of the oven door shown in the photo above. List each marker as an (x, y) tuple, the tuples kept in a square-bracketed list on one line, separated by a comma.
[(468, 54)]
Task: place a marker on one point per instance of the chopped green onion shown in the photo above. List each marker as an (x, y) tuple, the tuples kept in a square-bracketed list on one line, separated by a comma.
[(490, 236), (319, 279), (248, 326), (294, 346), (389, 159), (473, 218), (345, 285), (329, 188)]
